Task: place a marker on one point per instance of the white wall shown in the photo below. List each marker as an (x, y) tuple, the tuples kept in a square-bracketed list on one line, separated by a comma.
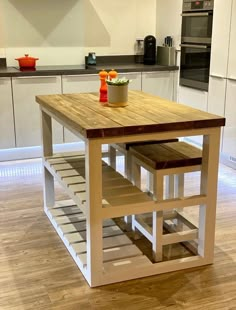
[(63, 32), (168, 21)]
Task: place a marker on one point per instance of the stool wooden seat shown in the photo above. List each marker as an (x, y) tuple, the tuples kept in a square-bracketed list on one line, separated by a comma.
[(165, 159), (123, 148)]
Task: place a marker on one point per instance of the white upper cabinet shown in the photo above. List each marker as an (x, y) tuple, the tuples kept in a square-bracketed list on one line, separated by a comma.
[(232, 45), (220, 37)]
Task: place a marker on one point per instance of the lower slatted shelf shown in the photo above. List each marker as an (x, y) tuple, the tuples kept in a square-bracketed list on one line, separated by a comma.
[(70, 224)]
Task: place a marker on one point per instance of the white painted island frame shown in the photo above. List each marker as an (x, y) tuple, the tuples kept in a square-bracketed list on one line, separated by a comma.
[(89, 181)]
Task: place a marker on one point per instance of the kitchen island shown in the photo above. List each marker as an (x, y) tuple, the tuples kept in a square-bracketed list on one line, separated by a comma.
[(85, 222)]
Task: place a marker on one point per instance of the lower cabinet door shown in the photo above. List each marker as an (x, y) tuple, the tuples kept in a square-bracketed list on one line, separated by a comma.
[(159, 83), (27, 113), (7, 134), (196, 99), (78, 84), (216, 98), (229, 131)]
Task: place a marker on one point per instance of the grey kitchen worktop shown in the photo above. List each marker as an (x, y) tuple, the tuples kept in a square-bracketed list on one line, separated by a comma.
[(120, 63)]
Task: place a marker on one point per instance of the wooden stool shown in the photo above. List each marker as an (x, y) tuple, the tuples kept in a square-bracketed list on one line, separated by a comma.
[(123, 148), (165, 159)]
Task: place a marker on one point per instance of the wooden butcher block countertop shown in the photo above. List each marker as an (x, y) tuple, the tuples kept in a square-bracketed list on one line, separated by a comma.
[(144, 113)]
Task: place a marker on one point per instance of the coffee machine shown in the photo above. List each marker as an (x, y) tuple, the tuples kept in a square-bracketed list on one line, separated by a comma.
[(149, 57)]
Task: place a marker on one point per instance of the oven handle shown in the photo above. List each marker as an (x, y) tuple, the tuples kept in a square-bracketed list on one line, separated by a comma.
[(194, 46), (196, 14)]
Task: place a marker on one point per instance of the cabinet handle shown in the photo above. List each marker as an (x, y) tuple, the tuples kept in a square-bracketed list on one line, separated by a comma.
[(196, 14), (76, 75), (232, 79), (194, 46), (35, 76), (217, 76)]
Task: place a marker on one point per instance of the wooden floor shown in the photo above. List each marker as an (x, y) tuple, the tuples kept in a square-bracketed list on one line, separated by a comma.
[(37, 272)]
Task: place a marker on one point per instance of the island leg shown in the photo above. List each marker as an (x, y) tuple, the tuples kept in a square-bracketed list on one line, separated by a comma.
[(93, 172), (48, 187), (209, 180)]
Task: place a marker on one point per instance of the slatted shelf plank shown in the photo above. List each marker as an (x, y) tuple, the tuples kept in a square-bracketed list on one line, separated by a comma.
[(80, 226), (126, 263), (113, 254), (70, 219), (65, 211), (109, 242)]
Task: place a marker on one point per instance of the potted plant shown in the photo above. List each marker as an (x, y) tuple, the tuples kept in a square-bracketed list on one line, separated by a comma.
[(117, 92)]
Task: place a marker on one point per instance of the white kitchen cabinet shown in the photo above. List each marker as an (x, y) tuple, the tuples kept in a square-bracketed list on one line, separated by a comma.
[(216, 95), (193, 97), (232, 45), (78, 84), (196, 99), (91, 83), (159, 83), (27, 117), (216, 98), (136, 80), (229, 135), (220, 37), (7, 132)]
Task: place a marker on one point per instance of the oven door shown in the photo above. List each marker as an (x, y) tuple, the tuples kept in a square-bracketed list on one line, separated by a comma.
[(197, 27), (195, 65)]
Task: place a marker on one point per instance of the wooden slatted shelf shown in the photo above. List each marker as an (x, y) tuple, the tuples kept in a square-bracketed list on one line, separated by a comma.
[(69, 170), (70, 224)]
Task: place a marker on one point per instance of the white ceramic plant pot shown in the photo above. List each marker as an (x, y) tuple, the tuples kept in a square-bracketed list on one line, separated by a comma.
[(117, 95)]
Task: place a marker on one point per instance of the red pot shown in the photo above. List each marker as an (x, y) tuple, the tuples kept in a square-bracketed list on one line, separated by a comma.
[(27, 61)]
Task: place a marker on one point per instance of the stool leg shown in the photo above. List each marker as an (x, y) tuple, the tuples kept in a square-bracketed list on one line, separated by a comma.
[(149, 182), (127, 168), (157, 218), (170, 186), (128, 219), (135, 176), (179, 193), (112, 156)]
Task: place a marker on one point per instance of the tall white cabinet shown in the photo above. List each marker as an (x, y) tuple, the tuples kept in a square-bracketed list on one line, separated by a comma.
[(222, 84), (229, 134), (232, 45), (220, 38), (7, 132)]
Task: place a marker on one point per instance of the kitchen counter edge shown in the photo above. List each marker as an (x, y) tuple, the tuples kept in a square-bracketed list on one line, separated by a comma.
[(54, 70)]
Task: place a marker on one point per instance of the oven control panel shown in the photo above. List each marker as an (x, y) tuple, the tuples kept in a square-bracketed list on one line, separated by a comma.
[(197, 5)]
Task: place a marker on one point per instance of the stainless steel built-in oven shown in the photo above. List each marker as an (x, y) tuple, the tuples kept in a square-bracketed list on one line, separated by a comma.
[(197, 27), (197, 18), (195, 64)]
